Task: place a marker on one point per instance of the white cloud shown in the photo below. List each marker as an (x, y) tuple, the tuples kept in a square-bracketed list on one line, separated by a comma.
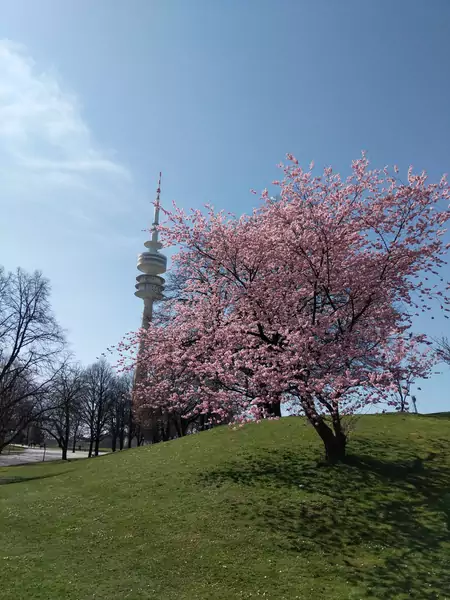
[(46, 145), (68, 206)]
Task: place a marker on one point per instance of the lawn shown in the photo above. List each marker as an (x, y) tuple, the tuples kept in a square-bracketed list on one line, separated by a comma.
[(237, 515)]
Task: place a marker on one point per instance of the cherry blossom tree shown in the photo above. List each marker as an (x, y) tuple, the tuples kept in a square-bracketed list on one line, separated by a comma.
[(310, 298), (169, 401)]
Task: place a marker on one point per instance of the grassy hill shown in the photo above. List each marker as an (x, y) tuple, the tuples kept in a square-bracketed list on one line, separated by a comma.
[(237, 515)]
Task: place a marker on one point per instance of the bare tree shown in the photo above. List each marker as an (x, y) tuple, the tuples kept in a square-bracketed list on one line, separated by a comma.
[(30, 345), (97, 402), (76, 428), (65, 411), (119, 414), (443, 349)]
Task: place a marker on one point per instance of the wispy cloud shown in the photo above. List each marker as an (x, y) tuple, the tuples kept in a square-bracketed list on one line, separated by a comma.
[(68, 205), (46, 145)]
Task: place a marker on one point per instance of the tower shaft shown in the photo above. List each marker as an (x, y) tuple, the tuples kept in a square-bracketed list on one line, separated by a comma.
[(149, 284)]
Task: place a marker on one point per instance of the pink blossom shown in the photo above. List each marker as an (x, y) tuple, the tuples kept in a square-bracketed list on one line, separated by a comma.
[(307, 300)]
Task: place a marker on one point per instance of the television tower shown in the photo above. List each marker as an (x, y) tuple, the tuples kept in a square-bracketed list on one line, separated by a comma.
[(149, 285)]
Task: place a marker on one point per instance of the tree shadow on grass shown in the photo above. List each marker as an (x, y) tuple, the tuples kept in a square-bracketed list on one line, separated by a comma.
[(24, 479), (387, 521)]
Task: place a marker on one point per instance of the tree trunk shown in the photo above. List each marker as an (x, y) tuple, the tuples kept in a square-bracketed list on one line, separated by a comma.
[(156, 426), (335, 443), (65, 440), (335, 448), (273, 409), (130, 428), (184, 426), (165, 427), (75, 433), (91, 444), (113, 442), (178, 426), (139, 436), (98, 428), (202, 423), (121, 436)]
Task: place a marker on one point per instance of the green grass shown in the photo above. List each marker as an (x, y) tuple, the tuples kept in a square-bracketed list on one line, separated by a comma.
[(237, 515)]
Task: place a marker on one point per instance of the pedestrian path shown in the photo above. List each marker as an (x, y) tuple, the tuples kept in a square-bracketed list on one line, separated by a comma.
[(34, 455)]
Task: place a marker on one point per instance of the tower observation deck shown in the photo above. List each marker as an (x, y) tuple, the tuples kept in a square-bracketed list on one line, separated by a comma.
[(152, 263)]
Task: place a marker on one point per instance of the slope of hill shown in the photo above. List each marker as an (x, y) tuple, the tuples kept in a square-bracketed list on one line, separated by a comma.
[(237, 515)]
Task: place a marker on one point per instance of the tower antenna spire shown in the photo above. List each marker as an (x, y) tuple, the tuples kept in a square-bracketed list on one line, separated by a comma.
[(156, 213)]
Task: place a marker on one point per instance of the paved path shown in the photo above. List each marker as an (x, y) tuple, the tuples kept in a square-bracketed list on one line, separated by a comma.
[(34, 455)]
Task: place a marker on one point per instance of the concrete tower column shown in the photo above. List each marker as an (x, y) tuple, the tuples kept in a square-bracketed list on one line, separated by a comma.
[(149, 285)]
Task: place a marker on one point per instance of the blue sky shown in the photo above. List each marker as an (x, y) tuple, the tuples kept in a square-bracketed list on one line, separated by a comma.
[(97, 97)]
